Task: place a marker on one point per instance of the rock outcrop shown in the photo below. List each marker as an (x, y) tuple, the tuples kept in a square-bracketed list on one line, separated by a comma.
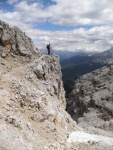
[(15, 41), (32, 100), (91, 101)]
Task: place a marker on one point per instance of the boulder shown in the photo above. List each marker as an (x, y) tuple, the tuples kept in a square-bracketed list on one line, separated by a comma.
[(3, 54), (15, 41), (39, 71), (6, 37)]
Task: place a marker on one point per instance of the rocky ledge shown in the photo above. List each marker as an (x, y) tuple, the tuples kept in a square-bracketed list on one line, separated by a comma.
[(32, 100)]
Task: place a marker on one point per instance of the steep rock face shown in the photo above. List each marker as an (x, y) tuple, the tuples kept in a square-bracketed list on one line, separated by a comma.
[(32, 101), (49, 71), (32, 98), (91, 101), (15, 41)]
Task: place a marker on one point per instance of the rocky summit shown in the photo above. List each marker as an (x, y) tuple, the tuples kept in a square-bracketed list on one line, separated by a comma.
[(32, 100)]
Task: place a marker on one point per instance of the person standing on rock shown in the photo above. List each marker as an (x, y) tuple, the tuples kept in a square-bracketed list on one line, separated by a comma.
[(48, 48)]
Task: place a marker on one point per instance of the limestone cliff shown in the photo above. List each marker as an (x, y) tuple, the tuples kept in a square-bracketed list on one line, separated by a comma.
[(91, 101), (15, 41), (32, 100)]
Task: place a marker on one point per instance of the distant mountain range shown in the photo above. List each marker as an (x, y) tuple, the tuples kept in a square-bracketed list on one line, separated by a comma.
[(81, 64), (63, 54)]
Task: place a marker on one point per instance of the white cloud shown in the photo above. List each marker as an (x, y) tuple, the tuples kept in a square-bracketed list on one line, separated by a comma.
[(67, 12), (95, 39), (12, 1), (31, 12), (27, 13), (79, 12)]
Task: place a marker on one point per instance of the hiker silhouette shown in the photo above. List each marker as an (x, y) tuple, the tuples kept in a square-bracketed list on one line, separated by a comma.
[(48, 48)]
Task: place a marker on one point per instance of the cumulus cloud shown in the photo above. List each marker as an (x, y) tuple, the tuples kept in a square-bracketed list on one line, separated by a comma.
[(95, 39), (32, 12), (98, 14), (12, 1), (67, 12), (79, 12)]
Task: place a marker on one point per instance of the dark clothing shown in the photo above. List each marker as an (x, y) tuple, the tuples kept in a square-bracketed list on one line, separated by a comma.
[(48, 48)]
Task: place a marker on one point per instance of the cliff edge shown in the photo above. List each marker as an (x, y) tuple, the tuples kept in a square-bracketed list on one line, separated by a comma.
[(32, 98)]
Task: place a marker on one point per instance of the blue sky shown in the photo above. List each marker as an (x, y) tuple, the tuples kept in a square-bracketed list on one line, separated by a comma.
[(67, 24)]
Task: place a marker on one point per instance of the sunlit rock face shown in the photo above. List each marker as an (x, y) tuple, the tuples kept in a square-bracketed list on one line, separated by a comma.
[(32, 97), (15, 41), (32, 100)]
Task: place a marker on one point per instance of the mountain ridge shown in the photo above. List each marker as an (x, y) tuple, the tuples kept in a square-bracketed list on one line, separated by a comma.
[(91, 101), (82, 64), (32, 97), (32, 110)]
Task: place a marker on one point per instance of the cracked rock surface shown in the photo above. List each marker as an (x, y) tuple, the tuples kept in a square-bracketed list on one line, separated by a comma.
[(91, 101), (32, 99)]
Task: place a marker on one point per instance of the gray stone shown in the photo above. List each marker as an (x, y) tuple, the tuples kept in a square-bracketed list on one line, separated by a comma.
[(33, 110), (15, 41), (6, 37), (92, 98), (38, 70), (24, 45), (3, 55), (1, 49)]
